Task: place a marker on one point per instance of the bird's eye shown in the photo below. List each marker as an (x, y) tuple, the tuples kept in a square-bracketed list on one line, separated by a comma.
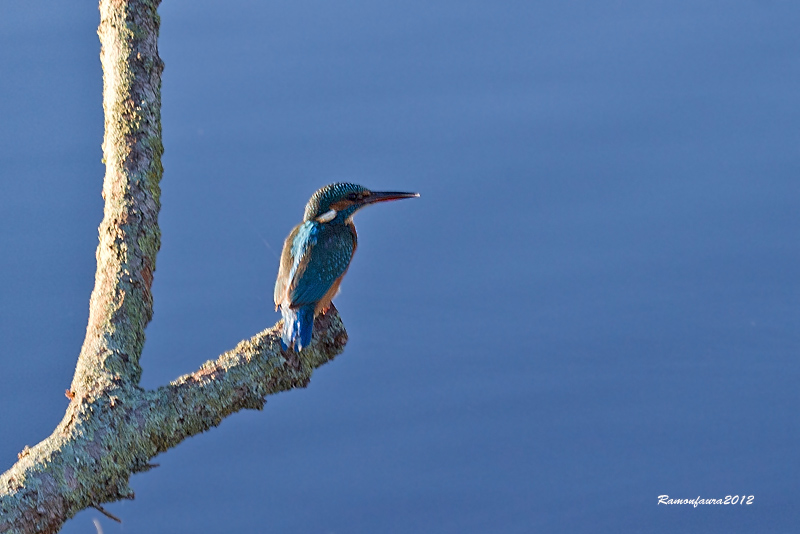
[(352, 196)]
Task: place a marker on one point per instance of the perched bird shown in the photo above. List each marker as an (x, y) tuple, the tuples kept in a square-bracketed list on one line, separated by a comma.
[(316, 255)]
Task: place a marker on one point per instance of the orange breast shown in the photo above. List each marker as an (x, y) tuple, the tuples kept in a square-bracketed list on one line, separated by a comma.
[(325, 302)]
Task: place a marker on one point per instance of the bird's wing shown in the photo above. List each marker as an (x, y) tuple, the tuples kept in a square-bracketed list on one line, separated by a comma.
[(285, 266), (321, 254)]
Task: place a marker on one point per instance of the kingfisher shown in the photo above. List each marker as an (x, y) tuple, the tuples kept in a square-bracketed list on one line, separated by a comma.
[(316, 256)]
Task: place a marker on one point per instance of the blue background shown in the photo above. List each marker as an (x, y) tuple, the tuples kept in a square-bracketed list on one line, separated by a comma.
[(594, 302)]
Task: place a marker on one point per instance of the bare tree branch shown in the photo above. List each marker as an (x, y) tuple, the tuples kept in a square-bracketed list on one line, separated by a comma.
[(112, 427), (121, 303), (104, 438)]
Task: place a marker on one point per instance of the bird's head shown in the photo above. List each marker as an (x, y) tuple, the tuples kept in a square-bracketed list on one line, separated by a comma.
[(340, 201)]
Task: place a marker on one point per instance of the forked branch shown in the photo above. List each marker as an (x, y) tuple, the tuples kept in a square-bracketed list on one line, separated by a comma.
[(112, 427)]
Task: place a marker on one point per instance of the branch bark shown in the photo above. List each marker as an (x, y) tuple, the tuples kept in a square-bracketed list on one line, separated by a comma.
[(112, 427)]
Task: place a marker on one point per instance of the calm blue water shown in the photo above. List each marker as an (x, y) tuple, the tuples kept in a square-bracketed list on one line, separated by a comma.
[(594, 302)]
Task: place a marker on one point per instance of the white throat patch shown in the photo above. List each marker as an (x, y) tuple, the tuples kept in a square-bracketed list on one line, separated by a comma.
[(328, 216)]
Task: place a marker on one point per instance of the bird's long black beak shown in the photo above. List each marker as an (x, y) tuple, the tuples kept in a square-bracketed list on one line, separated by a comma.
[(385, 196)]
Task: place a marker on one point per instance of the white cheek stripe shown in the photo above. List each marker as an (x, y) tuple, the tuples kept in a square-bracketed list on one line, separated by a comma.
[(328, 216)]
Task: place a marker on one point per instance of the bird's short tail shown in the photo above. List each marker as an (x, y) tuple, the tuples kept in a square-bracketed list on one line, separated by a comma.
[(298, 325)]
